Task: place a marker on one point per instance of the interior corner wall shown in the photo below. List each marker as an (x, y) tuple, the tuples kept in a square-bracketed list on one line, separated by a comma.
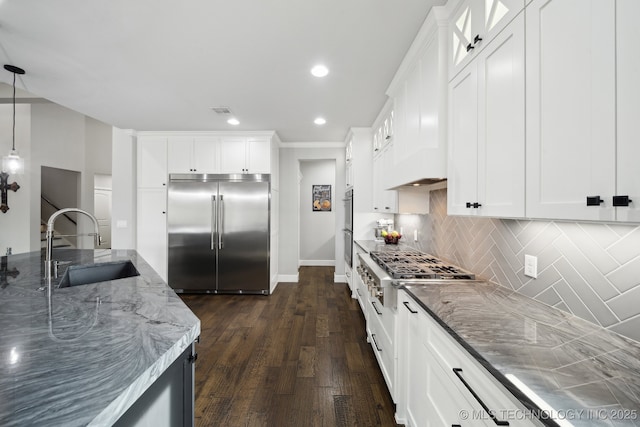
[(64, 139), (14, 224), (318, 239), (289, 225)]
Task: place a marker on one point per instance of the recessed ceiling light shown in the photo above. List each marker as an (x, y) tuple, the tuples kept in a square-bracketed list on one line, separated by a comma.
[(234, 122), (319, 121), (319, 70)]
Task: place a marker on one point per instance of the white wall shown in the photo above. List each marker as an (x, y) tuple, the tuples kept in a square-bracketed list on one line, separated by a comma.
[(318, 228), (49, 135), (290, 156), (14, 225)]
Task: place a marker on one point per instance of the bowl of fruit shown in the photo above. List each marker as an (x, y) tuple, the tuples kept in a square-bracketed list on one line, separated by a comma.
[(391, 237)]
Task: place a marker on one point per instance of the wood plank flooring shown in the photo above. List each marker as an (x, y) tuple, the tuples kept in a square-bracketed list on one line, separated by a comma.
[(298, 357)]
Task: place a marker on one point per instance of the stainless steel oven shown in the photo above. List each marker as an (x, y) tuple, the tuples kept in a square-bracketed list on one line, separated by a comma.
[(348, 227)]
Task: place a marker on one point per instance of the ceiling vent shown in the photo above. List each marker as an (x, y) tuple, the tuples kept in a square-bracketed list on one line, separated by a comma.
[(221, 110)]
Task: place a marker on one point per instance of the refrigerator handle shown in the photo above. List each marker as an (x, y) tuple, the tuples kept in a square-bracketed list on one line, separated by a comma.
[(214, 221), (221, 223)]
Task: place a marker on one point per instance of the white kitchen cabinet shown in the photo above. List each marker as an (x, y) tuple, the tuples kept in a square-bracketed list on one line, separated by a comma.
[(571, 107), (152, 162), (628, 108), (382, 342), (431, 367), (193, 155), (245, 155), (487, 130), (384, 200), (473, 24), (152, 228)]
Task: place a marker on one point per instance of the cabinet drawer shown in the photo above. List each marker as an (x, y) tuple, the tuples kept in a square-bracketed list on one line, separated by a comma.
[(384, 351), (462, 368)]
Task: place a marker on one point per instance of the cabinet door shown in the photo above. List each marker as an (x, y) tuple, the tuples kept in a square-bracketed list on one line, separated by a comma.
[(233, 155), (205, 155), (570, 85), (501, 132), (463, 142), (417, 372), (628, 69), (152, 162), (474, 24), (258, 156), (152, 229), (180, 155)]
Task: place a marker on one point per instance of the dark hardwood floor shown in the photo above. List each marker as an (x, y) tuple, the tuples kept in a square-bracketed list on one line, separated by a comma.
[(298, 357)]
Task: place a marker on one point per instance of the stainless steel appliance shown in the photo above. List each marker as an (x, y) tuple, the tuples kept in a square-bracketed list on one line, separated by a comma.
[(218, 232), (348, 227), (384, 271)]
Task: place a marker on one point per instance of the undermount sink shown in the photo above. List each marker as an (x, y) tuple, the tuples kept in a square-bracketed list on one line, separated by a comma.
[(85, 274)]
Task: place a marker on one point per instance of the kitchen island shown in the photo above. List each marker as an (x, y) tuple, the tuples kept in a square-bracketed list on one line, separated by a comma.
[(91, 353)]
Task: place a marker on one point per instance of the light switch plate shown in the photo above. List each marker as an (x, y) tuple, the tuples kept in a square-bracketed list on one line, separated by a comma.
[(531, 266), (121, 223)]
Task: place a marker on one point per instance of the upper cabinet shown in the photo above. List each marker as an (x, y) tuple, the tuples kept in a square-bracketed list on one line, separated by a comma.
[(473, 24), (193, 154), (487, 129), (627, 108), (419, 96), (152, 162), (245, 155), (571, 106)]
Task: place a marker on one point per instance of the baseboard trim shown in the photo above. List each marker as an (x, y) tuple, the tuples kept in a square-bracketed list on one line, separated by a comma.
[(317, 262), (339, 278), (288, 278)]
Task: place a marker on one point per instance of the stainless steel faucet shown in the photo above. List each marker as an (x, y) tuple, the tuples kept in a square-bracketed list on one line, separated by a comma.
[(49, 263)]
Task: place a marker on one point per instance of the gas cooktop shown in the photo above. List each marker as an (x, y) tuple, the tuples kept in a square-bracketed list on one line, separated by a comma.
[(417, 265)]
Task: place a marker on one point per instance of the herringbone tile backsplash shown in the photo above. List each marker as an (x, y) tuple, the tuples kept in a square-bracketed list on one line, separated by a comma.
[(589, 269)]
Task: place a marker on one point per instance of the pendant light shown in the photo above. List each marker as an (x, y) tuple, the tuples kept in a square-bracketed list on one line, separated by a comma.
[(12, 164)]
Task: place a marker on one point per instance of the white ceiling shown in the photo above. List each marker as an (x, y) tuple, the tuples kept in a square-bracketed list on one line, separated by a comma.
[(161, 64)]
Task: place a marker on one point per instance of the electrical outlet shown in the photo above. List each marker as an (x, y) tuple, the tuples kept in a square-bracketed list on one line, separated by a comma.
[(415, 235), (531, 266)]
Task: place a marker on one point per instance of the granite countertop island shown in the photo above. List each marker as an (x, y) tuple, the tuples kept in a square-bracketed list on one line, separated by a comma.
[(87, 355), (588, 375)]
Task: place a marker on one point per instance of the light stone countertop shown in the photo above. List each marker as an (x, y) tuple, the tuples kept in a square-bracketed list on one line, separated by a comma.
[(590, 375), (104, 346)]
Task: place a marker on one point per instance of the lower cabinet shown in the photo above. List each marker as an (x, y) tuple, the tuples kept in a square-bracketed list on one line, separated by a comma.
[(170, 400), (381, 331), (152, 228), (439, 383)]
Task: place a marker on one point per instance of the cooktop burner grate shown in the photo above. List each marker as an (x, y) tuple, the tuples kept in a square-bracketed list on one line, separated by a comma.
[(417, 265)]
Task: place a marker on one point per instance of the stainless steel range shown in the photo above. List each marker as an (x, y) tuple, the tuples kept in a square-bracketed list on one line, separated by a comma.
[(417, 265), (383, 271)]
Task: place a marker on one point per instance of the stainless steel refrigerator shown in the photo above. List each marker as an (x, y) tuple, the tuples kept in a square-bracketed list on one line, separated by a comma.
[(218, 228)]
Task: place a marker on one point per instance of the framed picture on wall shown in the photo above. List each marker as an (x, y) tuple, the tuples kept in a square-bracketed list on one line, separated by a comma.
[(321, 197)]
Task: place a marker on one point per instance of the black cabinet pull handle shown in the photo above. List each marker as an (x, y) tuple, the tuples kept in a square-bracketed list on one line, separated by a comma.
[(477, 39), (621, 200), (476, 205), (373, 336), (375, 307), (594, 201), (193, 357), (469, 47), (468, 205), (406, 304), (458, 372)]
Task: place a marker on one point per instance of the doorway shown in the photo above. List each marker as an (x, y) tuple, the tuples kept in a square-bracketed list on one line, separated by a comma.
[(102, 189), (317, 212), (59, 188)]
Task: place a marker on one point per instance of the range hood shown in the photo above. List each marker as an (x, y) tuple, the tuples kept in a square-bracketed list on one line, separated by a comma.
[(422, 182)]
